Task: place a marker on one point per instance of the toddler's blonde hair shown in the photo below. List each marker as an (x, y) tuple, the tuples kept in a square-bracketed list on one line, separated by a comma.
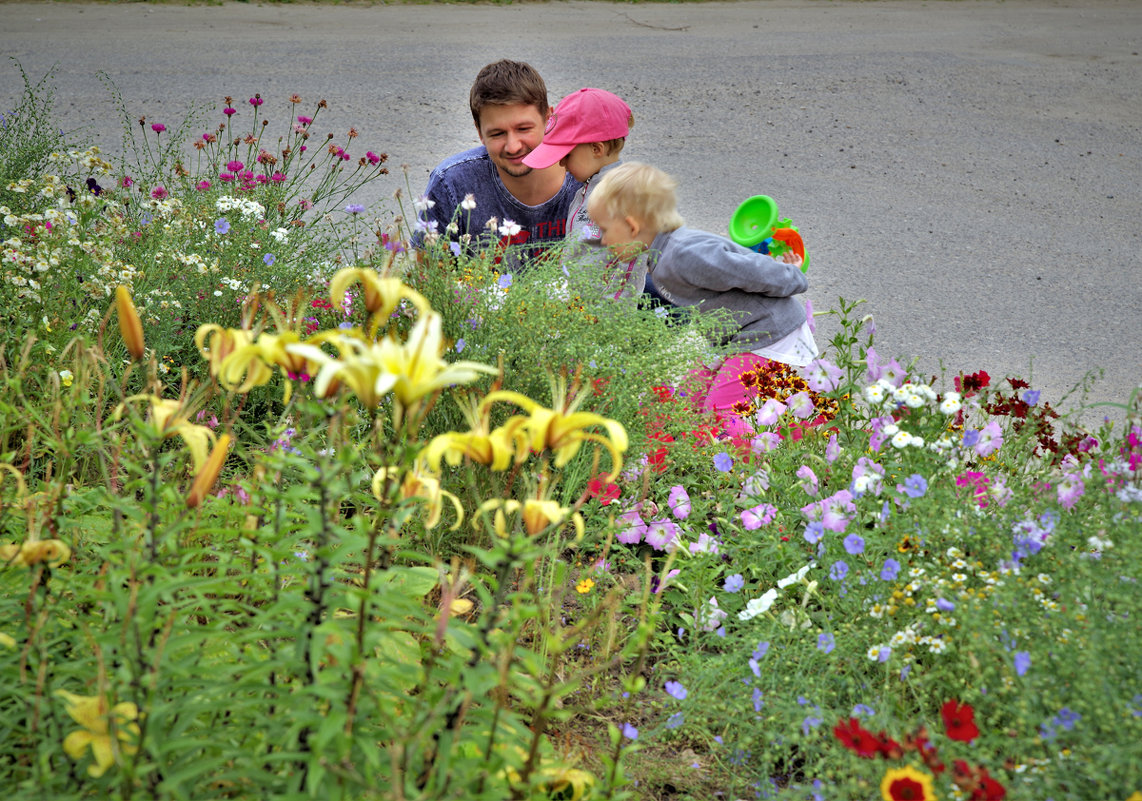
[(640, 191)]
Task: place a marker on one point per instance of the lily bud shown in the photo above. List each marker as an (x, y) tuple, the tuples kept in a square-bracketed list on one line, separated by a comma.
[(208, 475), (130, 326)]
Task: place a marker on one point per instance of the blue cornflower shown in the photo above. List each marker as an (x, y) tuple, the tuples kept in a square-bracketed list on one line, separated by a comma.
[(733, 583), (838, 571), (460, 345), (945, 605), (809, 723), (1022, 662), (826, 642), (890, 570), (854, 544), (758, 703), (863, 710), (354, 208), (221, 226), (675, 720), (761, 650), (1066, 718), (630, 732), (269, 259), (675, 690), (723, 462)]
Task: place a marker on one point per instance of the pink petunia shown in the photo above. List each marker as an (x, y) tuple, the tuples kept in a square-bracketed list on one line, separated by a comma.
[(635, 529), (758, 516), (662, 535), (990, 439), (679, 502)]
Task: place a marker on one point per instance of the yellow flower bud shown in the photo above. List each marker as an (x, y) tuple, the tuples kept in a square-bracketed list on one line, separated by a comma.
[(130, 326), (208, 474)]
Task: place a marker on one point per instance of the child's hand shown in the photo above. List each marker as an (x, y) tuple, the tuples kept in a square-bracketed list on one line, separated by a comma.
[(792, 257)]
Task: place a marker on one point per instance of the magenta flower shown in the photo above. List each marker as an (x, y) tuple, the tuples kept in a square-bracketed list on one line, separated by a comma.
[(256, 101), (823, 376), (1070, 489), (126, 182), (229, 112), (158, 127), (305, 120), (635, 530), (202, 186), (808, 479), (372, 157), (990, 439), (159, 192), (770, 412), (758, 516), (234, 166), (833, 449), (662, 535), (679, 502), (225, 177), (278, 177)]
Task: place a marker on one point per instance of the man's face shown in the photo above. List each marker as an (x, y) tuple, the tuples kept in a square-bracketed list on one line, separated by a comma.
[(510, 133)]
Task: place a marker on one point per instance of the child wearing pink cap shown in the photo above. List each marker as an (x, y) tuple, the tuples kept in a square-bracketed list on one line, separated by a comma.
[(585, 135)]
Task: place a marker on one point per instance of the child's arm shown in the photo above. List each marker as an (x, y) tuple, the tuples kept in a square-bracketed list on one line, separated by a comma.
[(715, 263)]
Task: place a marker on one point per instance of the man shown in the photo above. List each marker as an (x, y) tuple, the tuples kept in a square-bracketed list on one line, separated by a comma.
[(487, 196)]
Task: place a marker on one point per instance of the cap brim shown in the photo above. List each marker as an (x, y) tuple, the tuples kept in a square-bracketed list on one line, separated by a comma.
[(545, 155)]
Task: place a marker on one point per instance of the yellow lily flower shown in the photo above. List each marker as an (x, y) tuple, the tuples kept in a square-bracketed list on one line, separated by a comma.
[(33, 552), (417, 364), (559, 781), (360, 368), (418, 484), (92, 714), (538, 514), (382, 293), (563, 432), (216, 344), (492, 448), (171, 417)]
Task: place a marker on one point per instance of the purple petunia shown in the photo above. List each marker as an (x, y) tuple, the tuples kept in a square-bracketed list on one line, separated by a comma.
[(838, 571), (221, 226), (675, 690), (723, 462), (914, 486), (854, 544), (734, 583)]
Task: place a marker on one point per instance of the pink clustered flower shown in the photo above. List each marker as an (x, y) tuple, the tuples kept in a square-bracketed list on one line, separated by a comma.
[(229, 112), (159, 192), (304, 120), (158, 127), (833, 513)]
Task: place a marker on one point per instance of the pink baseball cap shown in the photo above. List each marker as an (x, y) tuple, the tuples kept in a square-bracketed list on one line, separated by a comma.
[(589, 115)]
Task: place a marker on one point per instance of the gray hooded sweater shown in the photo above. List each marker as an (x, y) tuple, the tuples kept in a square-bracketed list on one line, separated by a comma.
[(707, 271)]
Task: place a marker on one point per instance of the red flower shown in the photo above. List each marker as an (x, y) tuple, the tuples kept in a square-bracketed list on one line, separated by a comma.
[(858, 739), (978, 782), (606, 492), (959, 721), (968, 384)]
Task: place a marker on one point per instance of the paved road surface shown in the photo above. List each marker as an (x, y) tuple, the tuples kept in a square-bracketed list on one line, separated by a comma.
[(973, 169)]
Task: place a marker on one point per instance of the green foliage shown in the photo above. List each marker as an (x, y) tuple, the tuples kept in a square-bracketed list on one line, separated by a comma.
[(28, 136), (249, 564)]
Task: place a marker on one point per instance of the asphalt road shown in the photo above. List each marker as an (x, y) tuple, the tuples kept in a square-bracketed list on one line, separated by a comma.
[(973, 169)]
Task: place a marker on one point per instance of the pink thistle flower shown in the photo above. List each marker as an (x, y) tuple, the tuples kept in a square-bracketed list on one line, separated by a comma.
[(305, 204), (159, 192), (202, 186), (234, 166), (262, 179), (278, 177), (158, 127), (126, 182), (225, 177), (256, 101), (229, 112), (373, 157), (304, 120)]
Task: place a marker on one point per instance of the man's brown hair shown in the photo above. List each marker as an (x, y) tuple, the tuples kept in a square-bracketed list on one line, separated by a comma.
[(507, 83)]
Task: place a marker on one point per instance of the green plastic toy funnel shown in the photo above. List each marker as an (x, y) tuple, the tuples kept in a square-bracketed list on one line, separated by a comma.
[(752, 223)]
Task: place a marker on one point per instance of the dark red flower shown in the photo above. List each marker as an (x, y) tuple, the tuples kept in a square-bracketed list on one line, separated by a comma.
[(856, 738), (959, 721)]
